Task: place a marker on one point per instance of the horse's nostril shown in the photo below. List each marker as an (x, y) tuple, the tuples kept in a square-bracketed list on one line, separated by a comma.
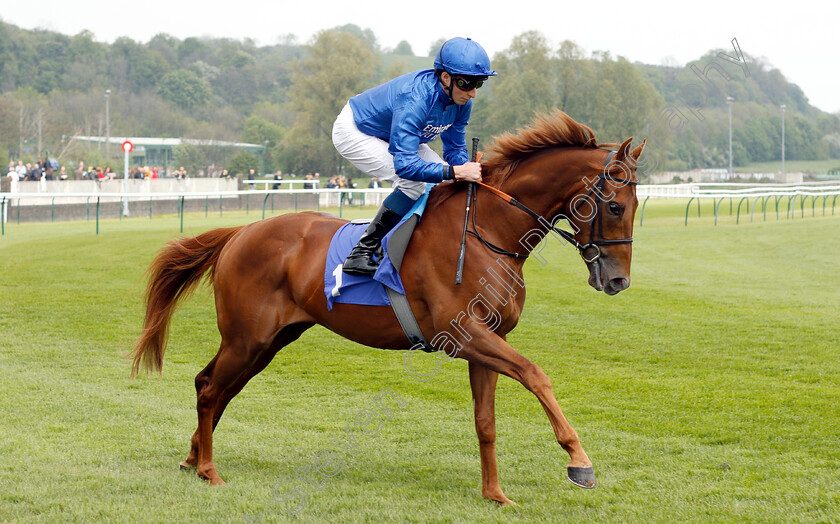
[(620, 284)]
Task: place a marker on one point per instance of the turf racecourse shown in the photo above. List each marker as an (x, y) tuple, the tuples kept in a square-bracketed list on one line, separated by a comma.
[(706, 392)]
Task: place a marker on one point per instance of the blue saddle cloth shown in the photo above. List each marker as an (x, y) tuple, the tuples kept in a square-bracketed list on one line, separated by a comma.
[(342, 288)]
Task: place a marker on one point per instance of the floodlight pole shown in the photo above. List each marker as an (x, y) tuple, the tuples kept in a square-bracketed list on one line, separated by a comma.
[(783, 107), (107, 124), (729, 101)]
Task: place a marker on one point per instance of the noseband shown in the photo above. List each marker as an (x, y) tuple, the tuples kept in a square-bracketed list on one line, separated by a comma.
[(594, 241)]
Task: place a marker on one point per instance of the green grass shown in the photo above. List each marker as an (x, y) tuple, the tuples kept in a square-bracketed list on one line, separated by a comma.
[(705, 392)]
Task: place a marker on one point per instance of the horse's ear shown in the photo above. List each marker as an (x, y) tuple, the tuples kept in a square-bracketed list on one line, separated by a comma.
[(636, 153), (622, 149)]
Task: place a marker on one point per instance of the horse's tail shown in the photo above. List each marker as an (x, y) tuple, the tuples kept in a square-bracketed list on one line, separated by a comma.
[(173, 275)]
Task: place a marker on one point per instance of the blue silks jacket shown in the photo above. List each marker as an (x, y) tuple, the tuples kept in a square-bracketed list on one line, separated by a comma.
[(410, 110)]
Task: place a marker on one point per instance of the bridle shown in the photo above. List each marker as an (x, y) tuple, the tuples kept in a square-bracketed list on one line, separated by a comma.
[(594, 224)]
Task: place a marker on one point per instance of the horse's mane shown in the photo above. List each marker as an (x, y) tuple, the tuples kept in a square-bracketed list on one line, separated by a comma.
[(546, 131)]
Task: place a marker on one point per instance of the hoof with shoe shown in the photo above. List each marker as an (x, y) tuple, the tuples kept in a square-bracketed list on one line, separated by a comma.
[(582, 477)]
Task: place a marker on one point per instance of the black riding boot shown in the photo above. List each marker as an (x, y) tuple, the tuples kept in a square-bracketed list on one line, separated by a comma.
[(360, 261)]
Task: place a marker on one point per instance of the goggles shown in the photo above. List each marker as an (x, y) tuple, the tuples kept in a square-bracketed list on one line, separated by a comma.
[(468, 83)]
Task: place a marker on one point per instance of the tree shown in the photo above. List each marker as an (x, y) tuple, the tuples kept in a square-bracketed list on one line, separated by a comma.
[(190, 157), (365, 35), (626, 102), (258, 130), (574, 76), (303, 152), (526, 84), (52, 48), (192, 49), (403, 48), (435, 47), (338, 65), (185, 89), (167, 46), (133, 67), (243, 162), (86, 67)]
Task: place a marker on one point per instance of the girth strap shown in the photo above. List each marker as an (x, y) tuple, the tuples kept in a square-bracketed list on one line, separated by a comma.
[(407, 320)]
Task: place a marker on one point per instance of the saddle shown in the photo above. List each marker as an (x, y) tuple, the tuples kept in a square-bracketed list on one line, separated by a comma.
[(385, 286)]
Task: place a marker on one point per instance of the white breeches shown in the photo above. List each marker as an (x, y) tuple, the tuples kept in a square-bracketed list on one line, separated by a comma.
[(370, 154)]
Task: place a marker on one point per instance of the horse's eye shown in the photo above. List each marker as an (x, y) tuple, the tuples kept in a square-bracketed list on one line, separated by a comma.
[(615, 208)]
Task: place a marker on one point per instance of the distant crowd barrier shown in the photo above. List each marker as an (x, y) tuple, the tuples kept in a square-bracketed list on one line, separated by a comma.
[(92, 200), (108, 203)]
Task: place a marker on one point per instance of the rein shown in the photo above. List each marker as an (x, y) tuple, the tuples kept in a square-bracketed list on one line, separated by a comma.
[(569, 237)]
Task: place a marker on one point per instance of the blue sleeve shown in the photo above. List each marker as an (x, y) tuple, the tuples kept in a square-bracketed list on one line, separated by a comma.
[(454, 139), (406, 129)]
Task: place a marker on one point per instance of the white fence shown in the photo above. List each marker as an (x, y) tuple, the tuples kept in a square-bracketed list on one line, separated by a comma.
[(745, 193), (706, 188), (89, 192), (140, 201), (82, 191)]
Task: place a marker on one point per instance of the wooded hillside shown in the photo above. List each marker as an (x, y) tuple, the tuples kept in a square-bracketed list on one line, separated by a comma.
[(287, 95)]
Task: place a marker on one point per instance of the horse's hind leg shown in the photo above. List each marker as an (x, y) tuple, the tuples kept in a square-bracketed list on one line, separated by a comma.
[(202, 380), (483, 384), (212, 394)]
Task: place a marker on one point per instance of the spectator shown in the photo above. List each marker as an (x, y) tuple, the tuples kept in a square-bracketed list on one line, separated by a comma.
[(309, 184), (34, 172), (79, 172), (13, 174), (224, 174), (277, 176), (11, 167), (62, 173), (349, 184), (22, 171), (374, 183), (52, 165)]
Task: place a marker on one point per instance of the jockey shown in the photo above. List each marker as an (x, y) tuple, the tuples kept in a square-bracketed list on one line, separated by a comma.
[(385, 133)]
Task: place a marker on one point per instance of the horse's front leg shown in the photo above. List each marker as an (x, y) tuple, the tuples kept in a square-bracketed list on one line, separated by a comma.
[(483, 384), (491, 351)]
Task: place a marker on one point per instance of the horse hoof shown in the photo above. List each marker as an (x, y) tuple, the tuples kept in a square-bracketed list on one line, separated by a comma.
[(582, 477)]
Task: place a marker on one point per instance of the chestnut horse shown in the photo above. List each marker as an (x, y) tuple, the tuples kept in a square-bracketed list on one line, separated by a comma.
[(268, 279)]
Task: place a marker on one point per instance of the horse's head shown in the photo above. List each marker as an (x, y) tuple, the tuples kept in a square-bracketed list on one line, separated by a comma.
[(601, 213), (556, 168)]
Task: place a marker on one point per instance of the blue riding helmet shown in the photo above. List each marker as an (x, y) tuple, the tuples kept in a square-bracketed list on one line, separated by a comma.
[(463, 56)]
